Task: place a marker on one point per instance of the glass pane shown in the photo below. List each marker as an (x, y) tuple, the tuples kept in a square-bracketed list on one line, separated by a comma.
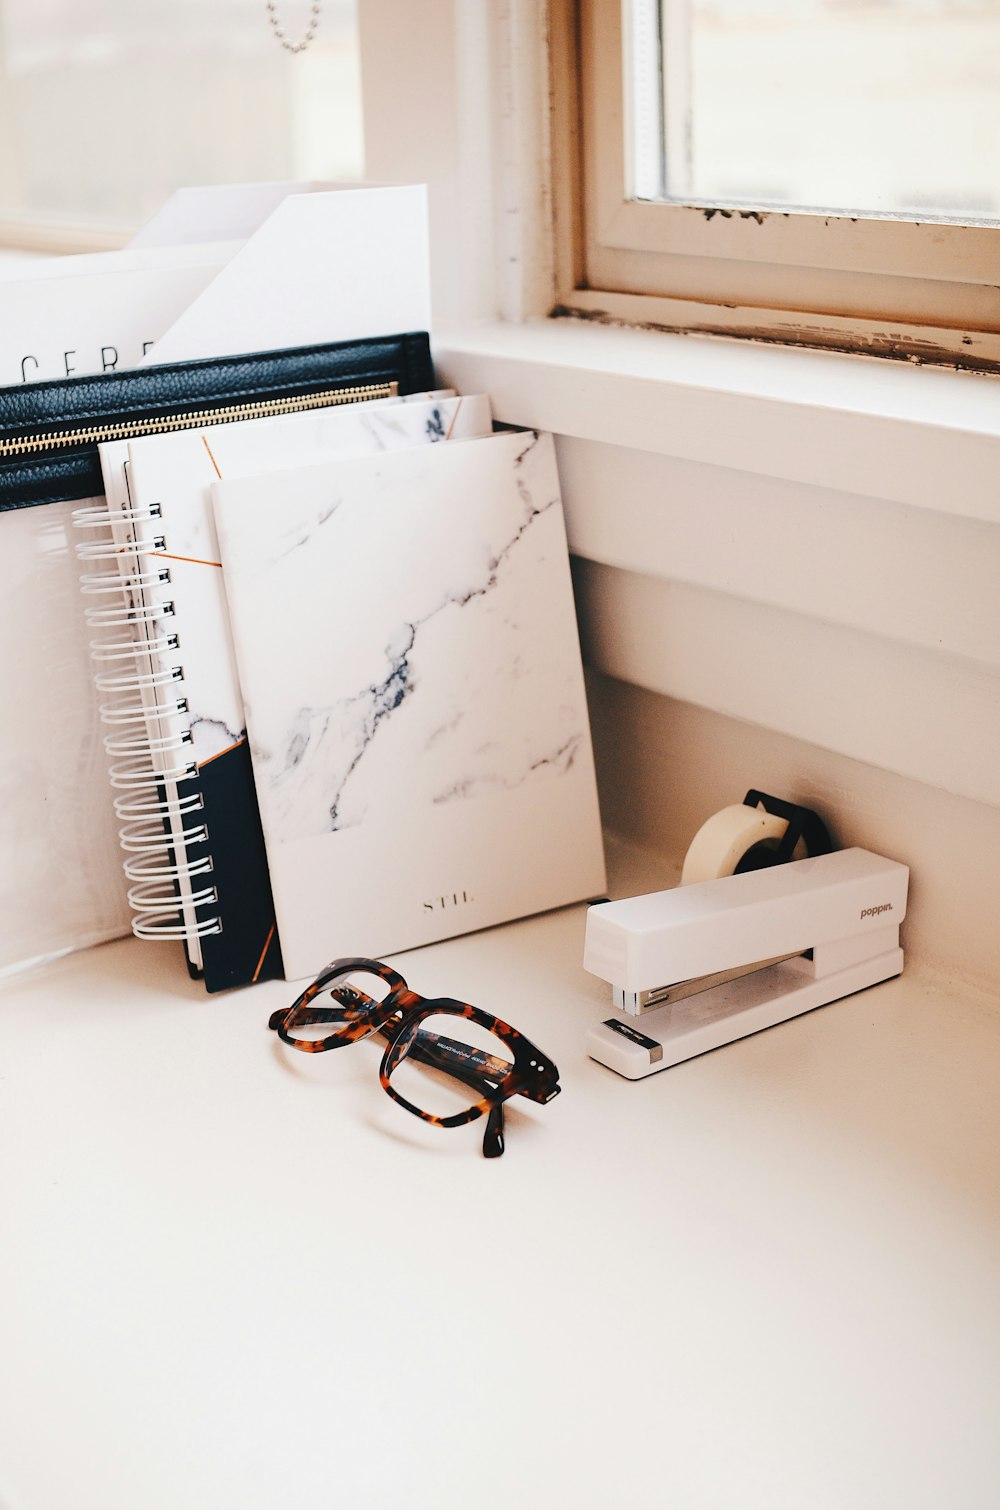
[(451, 1065), (871, 106), (106, 107)]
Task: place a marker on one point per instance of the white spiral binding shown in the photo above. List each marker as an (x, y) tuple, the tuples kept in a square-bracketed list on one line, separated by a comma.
[(137, 713), (140, 808), (142, 870), (133, 680), (152, 756), (106, 650), (153, 896), (140, 774), (110, 550), (115, 581), (147, 838), (141, 744), (165, 925), (128, 613)]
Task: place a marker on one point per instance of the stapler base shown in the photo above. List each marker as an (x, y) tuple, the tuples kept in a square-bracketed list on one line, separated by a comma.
[(639, 1046)]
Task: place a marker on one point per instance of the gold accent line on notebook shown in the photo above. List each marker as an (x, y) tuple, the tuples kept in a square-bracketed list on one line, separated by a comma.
[(194, 419), (454, 417), (191, 560), (219, 753), (263, 954), (215, 464)]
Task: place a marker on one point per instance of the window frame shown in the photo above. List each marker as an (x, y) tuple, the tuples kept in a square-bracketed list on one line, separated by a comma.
[(880, 285)]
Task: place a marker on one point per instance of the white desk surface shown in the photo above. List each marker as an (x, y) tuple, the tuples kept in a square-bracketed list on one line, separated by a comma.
[(237, 1278)]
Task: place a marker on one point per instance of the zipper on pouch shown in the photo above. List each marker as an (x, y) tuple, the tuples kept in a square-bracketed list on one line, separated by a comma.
[(193, 419)]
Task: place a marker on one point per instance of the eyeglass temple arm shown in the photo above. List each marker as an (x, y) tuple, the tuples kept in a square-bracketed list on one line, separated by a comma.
[(493, 1144)]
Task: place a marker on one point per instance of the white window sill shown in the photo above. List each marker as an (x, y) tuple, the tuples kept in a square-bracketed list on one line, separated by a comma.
[(921, 436)]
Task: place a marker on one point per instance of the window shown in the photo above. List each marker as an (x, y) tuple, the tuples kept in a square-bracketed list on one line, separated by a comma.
[(817, 171), (107, 107)]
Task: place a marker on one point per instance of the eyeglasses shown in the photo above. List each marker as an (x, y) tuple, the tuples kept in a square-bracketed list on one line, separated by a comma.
[(438, 1050)]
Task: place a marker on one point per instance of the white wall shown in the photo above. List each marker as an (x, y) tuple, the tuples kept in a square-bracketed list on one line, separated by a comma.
[(867, 627)]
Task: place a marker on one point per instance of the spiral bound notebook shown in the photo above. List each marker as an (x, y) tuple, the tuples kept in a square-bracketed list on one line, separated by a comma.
[(414, 694), (194, 851)]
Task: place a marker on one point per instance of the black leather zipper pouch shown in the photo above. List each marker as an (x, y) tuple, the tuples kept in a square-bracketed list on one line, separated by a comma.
[(50, 432)]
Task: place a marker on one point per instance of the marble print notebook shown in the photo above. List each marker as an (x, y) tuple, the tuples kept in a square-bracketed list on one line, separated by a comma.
[(407, 648), (206, 879)]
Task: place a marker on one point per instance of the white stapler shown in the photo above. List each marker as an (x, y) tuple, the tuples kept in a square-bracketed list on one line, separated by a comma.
[(699, 966)]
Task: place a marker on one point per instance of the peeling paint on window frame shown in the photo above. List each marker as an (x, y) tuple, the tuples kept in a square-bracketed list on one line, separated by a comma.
[(924, 292)]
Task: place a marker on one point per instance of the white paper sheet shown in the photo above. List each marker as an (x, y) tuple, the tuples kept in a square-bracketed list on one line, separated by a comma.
[(217, 212), (334, 266)]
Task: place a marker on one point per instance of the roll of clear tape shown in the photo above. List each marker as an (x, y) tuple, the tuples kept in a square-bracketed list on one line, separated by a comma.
[(726, 838)]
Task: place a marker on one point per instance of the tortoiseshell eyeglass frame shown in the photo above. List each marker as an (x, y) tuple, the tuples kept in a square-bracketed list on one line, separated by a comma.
[(397, 1018)]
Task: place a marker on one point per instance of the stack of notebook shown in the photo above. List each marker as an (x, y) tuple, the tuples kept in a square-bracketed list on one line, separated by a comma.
[(368, 720)]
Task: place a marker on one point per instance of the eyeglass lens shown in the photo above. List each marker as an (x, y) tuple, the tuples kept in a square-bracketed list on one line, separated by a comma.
[(346, 996), (450, 1064)]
